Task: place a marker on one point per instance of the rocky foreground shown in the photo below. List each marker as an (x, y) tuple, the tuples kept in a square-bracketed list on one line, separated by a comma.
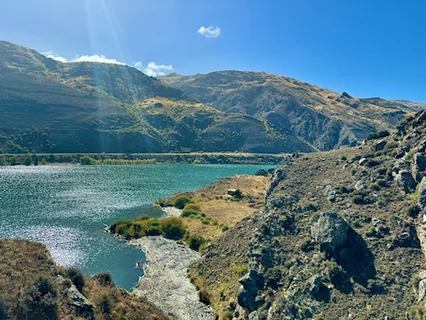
[(166, 284)]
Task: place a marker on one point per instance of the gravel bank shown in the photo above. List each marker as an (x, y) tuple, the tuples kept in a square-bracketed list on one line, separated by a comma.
[(166, 283)]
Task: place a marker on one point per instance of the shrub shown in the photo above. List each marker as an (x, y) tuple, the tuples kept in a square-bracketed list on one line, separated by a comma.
[(104, 279), (161, 202), (181, 201), (205, 221), (225, 227), (87, 161), (172, 227), (204, 296), (76, 277), (343, 158), (273, 277), (195, 241), (191, 209), (241, 269), (336, 274), (104, 305), (413, 211), (38, 301), (376, 286), (372, 232)]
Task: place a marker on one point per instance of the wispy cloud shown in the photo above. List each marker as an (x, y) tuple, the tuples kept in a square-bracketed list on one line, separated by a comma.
[(210, 32), (50, 55), (152, 69)]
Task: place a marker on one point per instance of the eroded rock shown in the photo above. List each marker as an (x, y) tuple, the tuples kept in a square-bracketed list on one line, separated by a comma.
[(405, 181), (330, 231)]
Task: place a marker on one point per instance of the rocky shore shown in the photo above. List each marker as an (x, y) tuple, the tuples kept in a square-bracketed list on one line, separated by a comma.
[(165, 283)]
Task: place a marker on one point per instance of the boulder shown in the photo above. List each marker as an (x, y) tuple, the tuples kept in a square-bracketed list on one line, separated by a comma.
[(80, 302), (330, 231), (405, 181), (380, 145), (363, 161), (421, 290), (236, 193), (317, 289), (359, 185), (420, 161), (251, 283), (422, 196)]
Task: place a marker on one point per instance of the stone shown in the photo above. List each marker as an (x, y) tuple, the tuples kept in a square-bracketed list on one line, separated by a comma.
[(405, 181), (317, 289), (421, 290), (362, 161), (359, 185), (251, 283), (78, 300), (330, 231), (236, 193), (420, 161), (380, 145), (422, 196)]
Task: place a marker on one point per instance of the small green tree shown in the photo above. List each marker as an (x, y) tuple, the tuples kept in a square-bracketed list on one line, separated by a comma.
[(28, 160), (35, 159), (181, 201), (195, 241), (76, 277), (172, 227), (86, 161)]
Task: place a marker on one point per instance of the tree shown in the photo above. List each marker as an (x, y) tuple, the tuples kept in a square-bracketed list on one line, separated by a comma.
[(172, 227), (28, 160), (35, 159)]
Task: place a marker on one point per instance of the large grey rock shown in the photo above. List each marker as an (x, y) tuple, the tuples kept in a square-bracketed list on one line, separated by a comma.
[(422, 195), (420, 161), (251, 283), (80, 302), (317, 289), (421, 290), (405, 181), (359, 185), (330, 231), (380, 145)]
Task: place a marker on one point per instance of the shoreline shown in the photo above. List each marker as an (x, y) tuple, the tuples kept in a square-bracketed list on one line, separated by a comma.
[(165, 282)]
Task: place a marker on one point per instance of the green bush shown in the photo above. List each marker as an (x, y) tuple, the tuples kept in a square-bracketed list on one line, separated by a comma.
[(172, 227), (273, 277), (76, 277), (195, 241), (191, 209), (181, 201), (372, 232), (241, 269), (86, 161), (104, 279), (376, 286), (225, 227)]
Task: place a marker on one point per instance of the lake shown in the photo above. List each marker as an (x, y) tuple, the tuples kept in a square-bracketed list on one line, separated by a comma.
[(66, 207)]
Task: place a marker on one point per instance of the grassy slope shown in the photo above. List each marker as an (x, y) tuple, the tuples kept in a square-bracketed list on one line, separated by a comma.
[(50, 106), (299, 196), (24, 262)]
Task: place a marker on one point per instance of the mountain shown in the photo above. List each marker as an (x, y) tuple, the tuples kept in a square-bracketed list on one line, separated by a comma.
[(342, 235), (49, 106), (323, 118)]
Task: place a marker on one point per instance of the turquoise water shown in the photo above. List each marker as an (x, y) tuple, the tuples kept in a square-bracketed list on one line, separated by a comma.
[(66, 207)]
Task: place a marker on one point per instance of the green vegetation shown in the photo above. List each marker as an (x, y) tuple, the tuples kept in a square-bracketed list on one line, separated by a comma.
[(195, 241), (76, 277), (171, 227), (181, 201)]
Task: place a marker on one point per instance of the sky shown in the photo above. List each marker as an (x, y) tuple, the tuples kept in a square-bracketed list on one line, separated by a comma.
[(368, 48)]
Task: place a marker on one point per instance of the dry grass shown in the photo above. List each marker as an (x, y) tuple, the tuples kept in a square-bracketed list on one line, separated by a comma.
[(23, 262)]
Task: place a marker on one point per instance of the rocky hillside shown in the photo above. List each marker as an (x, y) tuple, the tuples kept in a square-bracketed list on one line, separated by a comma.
[(33, 287), (323, 118), (341, 236), (48, 106)]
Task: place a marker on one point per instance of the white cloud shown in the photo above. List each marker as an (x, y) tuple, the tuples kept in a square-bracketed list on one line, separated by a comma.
[(209, 32), (96, 58), (153, 69), (50, 55)]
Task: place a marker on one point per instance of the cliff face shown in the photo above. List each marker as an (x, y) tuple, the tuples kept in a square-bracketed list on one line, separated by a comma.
[(341, 236)]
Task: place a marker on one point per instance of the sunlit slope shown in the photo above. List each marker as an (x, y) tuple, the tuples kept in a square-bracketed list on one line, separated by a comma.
[(49, 106), (324, 118)]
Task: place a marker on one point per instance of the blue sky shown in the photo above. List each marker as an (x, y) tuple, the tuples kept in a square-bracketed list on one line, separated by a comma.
[(364, 47)]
